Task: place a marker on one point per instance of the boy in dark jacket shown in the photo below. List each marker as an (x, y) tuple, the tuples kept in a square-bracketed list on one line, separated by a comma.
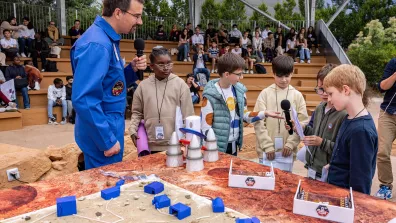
[(69, 88), (17, 72), (200, 59), (75, 32), (39, 48), (355, 151)]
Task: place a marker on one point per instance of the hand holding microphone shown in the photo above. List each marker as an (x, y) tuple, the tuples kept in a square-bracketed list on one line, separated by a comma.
[(285, 105), (139, 63)]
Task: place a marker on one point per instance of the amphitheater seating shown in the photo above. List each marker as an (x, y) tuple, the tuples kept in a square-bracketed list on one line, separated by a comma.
[(304, 80)]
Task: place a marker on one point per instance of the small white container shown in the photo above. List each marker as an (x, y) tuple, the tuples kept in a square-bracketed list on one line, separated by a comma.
[(211, 155), (174, 160), (194, 165)]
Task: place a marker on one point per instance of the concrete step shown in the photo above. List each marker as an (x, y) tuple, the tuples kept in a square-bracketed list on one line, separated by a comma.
[(10, 121), (312, 97), (308, 83), (39, 115)]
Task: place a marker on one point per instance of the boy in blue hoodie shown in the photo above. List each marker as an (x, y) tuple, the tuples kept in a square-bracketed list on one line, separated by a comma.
[(224, 105), (355, 151)]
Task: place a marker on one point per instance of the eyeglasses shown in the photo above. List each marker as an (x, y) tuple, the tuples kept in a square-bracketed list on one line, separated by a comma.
[(238, 74), (137, 16), (319, 90), (164, 66)]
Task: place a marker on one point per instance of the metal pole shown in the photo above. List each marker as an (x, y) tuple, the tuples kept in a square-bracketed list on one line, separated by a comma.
[(49, 13), (313, 12), (307, 13), (264, 14), (60, 4), (337, 12), (76, 15), (15, 15)]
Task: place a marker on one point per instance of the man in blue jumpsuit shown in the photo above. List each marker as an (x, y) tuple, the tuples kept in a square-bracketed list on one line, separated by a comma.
[(99, 88)]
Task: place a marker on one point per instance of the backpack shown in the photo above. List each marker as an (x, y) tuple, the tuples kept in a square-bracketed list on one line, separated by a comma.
[(202, 79), (51, 66), (260, 69)]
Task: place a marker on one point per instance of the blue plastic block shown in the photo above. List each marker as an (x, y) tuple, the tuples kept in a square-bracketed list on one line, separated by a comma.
[(247, 220), (66, 206), (218, 205), (120, 183), (161, 201), (110, 193), (180, 210), (154, 188)]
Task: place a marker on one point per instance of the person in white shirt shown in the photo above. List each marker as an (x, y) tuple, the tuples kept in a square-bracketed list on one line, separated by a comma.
[(237, 50), (291, 47), (9, 45), (265, 32), (57, 97), (2, 58), (26, 35), (258, 46), (197, 39), (235, 34)]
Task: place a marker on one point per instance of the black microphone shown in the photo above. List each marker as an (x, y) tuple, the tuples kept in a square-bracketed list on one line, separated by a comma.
[(285, 105), (139, 47)]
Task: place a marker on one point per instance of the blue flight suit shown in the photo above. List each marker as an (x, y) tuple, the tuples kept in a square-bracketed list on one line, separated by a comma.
[(99, 93)]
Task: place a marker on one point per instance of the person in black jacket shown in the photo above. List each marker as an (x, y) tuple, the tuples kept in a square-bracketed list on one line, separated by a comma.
[(39, 48), (75, 32), (160, 34), (69, 86), (312, 40), (17, 73), (194, 88), (200, 60)]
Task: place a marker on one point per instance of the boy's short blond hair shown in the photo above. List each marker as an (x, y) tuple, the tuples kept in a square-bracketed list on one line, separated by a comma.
[(230, 62), (349, 75)]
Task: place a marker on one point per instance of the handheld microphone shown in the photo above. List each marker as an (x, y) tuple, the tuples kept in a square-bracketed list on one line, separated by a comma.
[(139, 47), (285, 105)]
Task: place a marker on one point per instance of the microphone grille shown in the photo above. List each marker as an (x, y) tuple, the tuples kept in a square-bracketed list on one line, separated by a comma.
[(139, 44), (285, 104)]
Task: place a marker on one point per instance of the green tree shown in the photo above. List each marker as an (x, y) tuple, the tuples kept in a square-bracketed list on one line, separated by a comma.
[(78, 3), (301, 5), (233, 10), (257, 16), (320, 4), (210, 10), (285, 11), (180, 9)]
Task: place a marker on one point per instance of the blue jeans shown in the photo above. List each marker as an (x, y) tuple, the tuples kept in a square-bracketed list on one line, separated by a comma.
[(203, 71), (304, 52), (259, 55), (52, 104), (24, 45), (25, 96), (183, 51), (195, 99)]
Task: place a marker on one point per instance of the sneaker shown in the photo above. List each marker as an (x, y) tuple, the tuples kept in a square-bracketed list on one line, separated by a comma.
[(384, 193), (23, 55), (301, 61), (309, 61), (189, 59), (317, 51), (185, 60), (295, 62), (43, 70), (212, 71), (251, 72), (310, 51), (52, 121), (216, 71), (29, 55), (28, 108), (12, 105), (19, 55), (63, 121)]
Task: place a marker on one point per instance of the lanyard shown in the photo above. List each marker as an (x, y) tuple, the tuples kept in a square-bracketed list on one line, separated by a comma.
[(163, 96), (277, 108)]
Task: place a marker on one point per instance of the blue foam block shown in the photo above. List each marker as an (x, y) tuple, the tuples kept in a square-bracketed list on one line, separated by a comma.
[(110, 193), (218, 205), (154, 188), (180, 210), (66, 206), (120, 183), (255, 220), (247, 220), (161, 201)]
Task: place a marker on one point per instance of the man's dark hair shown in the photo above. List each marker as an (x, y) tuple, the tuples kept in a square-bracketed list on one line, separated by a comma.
[(26, 62), (325, 70), (159, 26), (109, 6), (189, 23), (77, 21), (49, 23), (69, 77), (26, 18), (225, 45), (158, 51), (10, 18), (282, 65), (269, 33), (235, 25), (230, 62), (210, 24), (6, 30), (16, 57), (57, 81), (189, 75), (267, 26)]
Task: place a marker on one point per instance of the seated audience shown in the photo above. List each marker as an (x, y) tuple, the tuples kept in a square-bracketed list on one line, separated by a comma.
[(184, 46), (250, 36), (39, 48), (303, 48), (269, 47), (265, 32), (225, 49), (57, 97), (160, 34), (235, 34), (292, 33), (237, 50), (222, 34), (200, 59), (211, 35), (174, 34), (3, 97), (194, 89), (2, 58), (9, 45), (245, 41), (312, 40), (250, 59), (197, 39), (189, 29), (34, 75), (53, 35), (75, 32), (279, 39), (258, 46), (18, 74), (26, 36), (291, 47), (214, 55), (69, 87), (9, 24)]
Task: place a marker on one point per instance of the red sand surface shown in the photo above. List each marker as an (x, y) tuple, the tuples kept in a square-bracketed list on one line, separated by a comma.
[(269, 206)]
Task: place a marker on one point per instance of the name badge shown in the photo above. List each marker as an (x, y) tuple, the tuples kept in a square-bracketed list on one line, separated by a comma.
[(311, 173), (159, 132), (278, 142)]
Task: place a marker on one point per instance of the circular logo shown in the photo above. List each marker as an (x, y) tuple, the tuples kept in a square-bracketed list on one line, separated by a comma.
[(118, 88), (322, 210)]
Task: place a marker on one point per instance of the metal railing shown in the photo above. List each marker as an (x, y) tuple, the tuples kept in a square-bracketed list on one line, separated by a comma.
[(332, 42), (85, 15)]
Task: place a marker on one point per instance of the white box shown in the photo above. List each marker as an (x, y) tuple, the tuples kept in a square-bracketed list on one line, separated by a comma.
[(333, 213), (252, 182)]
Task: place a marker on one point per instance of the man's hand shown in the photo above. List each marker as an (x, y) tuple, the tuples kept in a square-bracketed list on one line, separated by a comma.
[(134, 139), (312, 141), (286, 151), (18, 77), (58, 102), (139, 63), (270, 155), (113, 151), (294, 126), (273, 114)]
